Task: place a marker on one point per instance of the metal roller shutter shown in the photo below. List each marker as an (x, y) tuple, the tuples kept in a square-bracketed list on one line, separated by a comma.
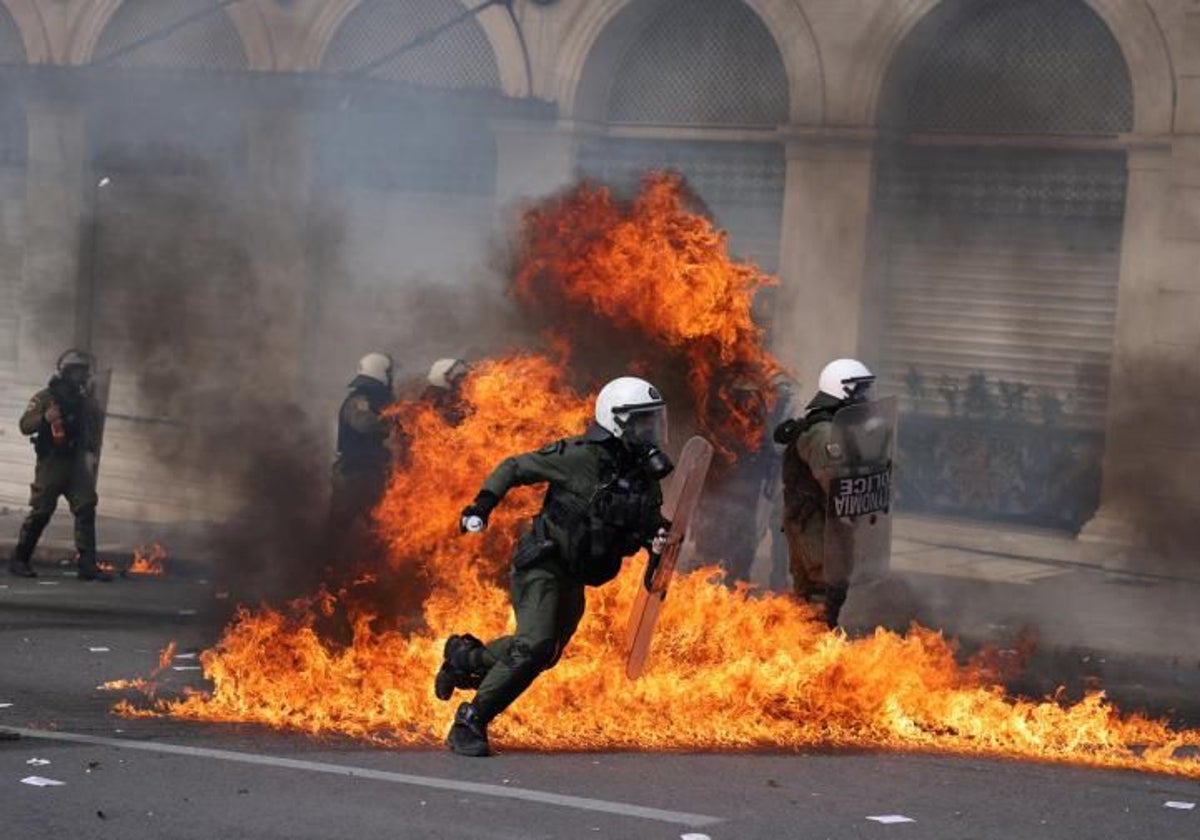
[(1005, 264)]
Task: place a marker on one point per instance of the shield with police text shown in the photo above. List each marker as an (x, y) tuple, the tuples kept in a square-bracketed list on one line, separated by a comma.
[(858, 510)]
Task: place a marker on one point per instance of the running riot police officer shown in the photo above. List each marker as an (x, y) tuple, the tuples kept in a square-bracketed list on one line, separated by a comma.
[(602, 504), (64, 422)]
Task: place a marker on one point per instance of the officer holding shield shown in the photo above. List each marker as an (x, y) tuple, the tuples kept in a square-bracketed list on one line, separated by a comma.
[(64, 422), (837, 485)]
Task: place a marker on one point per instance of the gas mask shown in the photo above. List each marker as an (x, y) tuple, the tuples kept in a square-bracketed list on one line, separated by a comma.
[(645, 432), (655, 463)]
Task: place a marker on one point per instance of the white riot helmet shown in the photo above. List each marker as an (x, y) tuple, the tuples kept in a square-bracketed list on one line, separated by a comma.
[(444, 373), (377, 366), (845, 379), (632, 409)]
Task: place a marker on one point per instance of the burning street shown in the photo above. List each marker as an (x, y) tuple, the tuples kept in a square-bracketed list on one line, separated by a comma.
[(697, 419), (752, 718), (170, 777)]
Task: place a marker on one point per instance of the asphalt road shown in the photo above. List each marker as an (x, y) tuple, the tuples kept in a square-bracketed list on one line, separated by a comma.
[(168, 779)]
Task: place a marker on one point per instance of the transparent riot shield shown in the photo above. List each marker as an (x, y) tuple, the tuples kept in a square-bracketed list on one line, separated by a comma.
[(858, 513)]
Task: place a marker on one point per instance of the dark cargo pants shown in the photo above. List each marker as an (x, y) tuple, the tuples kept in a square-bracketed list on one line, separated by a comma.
[(57, 475), (548, 606)]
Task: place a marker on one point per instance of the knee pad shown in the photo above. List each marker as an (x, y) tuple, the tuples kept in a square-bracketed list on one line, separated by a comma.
[(534, 658)]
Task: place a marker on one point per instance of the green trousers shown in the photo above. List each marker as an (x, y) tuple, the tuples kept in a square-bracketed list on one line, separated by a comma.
[(549, 607), (58, 475)]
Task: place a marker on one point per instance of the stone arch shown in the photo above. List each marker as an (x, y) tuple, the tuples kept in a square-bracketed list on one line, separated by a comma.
[(504, 69), (211, 43), (1133, 26), (19, 29), (602, 33)]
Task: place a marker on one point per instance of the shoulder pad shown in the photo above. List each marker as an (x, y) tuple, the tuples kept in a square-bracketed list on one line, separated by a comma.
[(555, 448)]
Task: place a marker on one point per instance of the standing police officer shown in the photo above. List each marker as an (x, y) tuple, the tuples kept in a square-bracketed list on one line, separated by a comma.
[(364, 458), (603, 504), (813, 454), (64, 422), (444, 389)]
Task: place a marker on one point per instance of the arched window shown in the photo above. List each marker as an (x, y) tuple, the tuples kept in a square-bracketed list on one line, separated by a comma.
[(996, 261), (432, 137), (699, 63), (702, 62), (208, 42), (1010, 66), (459, 57)]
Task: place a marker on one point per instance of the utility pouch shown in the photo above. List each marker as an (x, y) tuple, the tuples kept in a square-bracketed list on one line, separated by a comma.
[(531, 550)]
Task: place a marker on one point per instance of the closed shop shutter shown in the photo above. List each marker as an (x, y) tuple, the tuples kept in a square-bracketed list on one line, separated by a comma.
[(1005, 264)]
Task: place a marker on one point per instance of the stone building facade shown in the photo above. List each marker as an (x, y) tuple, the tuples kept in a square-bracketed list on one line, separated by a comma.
[(996, 203)]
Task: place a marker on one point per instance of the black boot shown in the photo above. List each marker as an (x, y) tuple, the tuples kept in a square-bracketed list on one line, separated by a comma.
[(89, 569), (31, 532), (468, 735), (835, 599), (458, 670), (21, 568)]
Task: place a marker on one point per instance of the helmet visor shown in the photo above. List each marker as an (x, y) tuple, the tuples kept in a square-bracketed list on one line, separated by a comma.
[(647, 426), (859, 388)]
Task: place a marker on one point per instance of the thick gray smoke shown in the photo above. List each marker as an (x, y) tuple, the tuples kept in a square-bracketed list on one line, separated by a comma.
[(233, 313)]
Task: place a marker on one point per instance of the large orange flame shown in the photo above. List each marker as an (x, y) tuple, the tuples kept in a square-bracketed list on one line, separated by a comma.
[(731, 669), (658, 268)]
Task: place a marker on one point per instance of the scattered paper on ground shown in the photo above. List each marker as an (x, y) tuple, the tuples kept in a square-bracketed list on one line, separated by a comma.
[(890, 819), (1181, 806), (39, 781), (38, 762)]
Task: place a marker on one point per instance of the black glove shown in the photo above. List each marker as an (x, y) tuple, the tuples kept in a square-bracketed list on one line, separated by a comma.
[(651, 568), (481, 508), (787, 431)]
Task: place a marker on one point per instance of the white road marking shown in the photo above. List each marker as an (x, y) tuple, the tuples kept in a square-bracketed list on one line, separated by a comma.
[(892, 819), (580, 803), (1180, 806)]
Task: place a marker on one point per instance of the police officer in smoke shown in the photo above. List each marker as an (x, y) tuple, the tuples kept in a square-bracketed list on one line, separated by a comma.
[(444, 389), (366, 443), (602, 504), (815, 455), (64, 422)]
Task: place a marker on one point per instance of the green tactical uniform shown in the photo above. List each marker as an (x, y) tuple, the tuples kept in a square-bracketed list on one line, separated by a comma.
[(804, 517), (361, 471), (598, 510), (810, 453), (65, 468)]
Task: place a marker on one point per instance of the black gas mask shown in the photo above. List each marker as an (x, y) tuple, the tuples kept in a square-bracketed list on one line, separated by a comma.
[(655, 463), (644, 432)]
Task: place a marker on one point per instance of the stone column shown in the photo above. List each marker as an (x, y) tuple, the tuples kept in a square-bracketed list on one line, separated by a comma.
[(56, 193), (532, 159), (826, 215), (1144, 256)]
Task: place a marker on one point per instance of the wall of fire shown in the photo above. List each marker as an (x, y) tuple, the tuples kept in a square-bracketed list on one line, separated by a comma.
[(249, 143)]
